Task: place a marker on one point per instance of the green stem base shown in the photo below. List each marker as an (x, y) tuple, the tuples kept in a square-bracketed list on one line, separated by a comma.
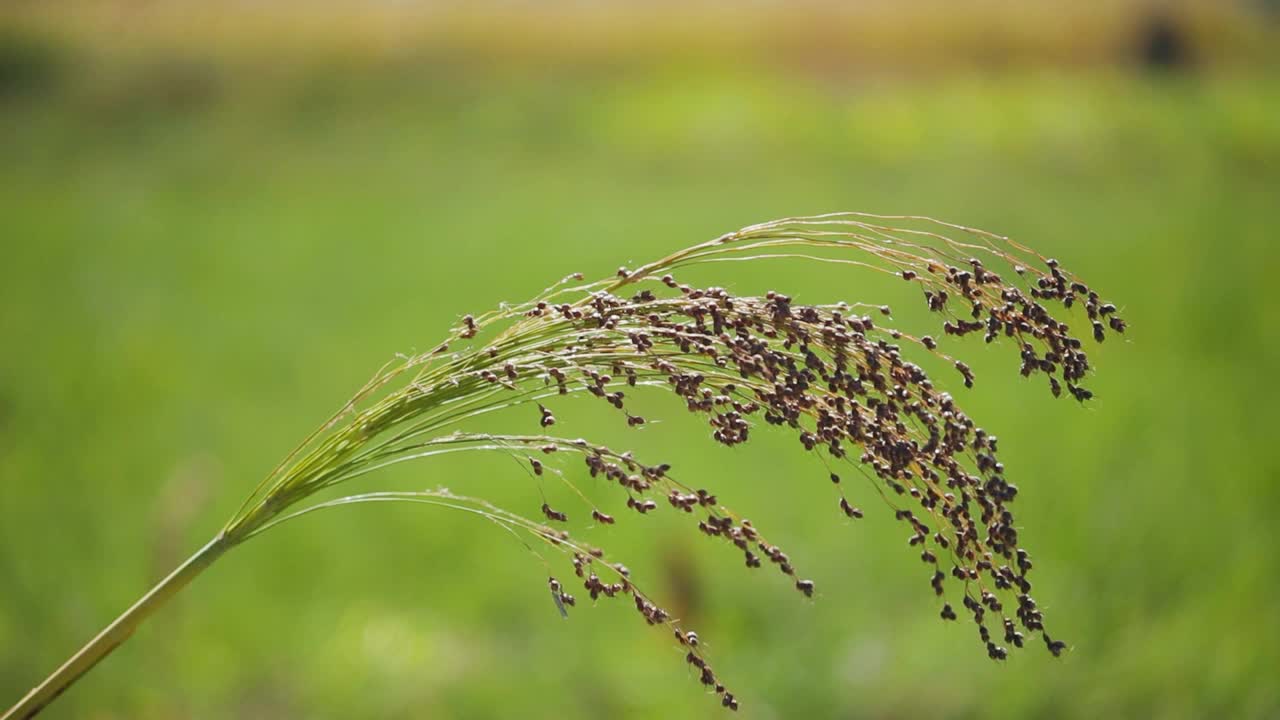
[(116, 633)]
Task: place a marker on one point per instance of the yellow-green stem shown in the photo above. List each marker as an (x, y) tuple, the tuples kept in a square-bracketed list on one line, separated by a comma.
[(116, 633)]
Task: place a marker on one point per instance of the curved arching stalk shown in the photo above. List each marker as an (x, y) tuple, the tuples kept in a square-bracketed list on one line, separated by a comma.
[(838, 379)]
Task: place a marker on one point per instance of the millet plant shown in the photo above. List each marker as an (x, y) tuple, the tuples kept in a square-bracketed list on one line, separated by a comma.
[(833, 375)]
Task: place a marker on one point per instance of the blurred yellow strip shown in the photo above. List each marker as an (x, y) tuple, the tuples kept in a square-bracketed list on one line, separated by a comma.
[(921, 34)]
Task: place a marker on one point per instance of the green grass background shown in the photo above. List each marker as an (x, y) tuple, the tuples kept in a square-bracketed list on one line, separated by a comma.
[(198, 263)]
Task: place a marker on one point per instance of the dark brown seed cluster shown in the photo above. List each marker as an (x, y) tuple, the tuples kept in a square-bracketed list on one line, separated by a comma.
[(642, 483), (840, 381), (585, 565)]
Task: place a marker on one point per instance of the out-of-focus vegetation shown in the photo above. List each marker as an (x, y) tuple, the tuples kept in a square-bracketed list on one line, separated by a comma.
[(214, 225)]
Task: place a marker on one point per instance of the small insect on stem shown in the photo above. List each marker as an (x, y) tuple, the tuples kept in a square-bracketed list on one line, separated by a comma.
[(558, 596)]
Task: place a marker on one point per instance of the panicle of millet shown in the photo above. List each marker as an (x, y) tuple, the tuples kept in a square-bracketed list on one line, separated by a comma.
[(842, 382)]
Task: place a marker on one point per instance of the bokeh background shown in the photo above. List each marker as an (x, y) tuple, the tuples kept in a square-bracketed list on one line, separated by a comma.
[(216, 220)]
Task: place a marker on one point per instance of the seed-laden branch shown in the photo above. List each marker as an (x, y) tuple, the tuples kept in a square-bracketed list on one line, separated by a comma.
[(834, 375)]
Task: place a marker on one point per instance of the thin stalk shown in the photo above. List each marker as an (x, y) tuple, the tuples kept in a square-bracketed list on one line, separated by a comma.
[(116, 633)]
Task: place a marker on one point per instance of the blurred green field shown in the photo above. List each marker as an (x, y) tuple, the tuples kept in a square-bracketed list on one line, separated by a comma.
[(200, 262)]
